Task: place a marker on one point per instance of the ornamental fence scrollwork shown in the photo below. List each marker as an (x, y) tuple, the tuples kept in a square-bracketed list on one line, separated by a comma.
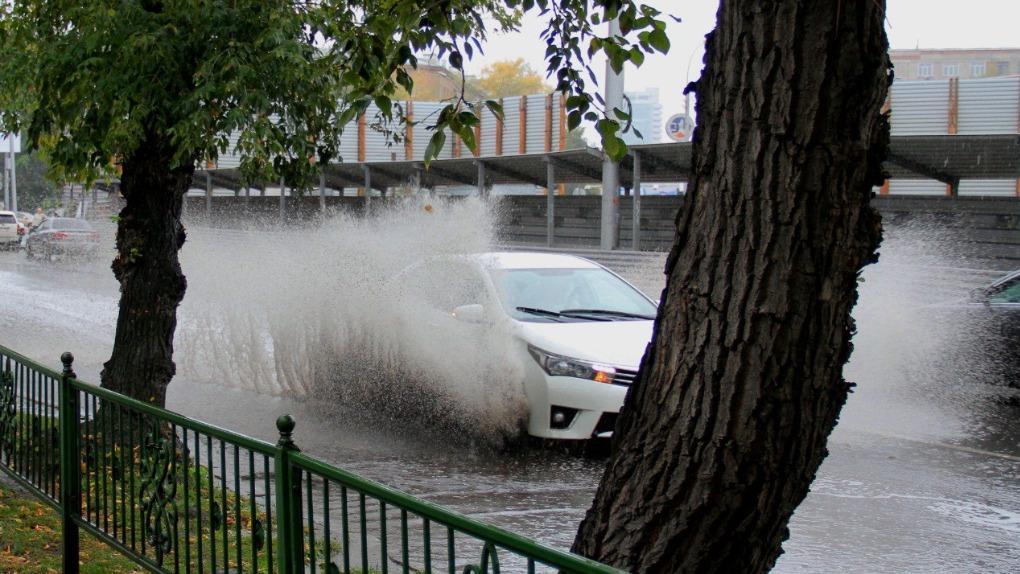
[(8, 412), (158, 491)]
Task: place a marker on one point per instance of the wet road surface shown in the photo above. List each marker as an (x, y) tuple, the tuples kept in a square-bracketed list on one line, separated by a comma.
[(923, 473)]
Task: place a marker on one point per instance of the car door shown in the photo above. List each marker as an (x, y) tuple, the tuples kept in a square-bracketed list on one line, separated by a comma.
[(1003, 300), (8, 228)]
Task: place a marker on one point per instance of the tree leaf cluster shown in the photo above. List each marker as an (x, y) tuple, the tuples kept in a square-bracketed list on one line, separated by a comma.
[(275, 82)]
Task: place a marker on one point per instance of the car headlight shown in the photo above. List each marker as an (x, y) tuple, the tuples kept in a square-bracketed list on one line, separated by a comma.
[(560, 366)]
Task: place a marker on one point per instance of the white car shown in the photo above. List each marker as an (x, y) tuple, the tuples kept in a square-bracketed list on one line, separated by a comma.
[(10, 230), (578, 329)]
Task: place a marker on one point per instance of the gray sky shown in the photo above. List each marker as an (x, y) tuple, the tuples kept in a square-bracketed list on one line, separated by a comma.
[(910, 23)]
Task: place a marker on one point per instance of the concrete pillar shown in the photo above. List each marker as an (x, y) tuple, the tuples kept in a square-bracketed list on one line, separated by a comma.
[(610, 168), (368, 188), (283, 200), (322, 190), (482, 190), (208, 194), (14, 176), (635, 197), (550, 202)]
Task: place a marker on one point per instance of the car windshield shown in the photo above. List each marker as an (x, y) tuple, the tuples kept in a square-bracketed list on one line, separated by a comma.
[(68, 224), (7, 218), (1008, 293), (577, 294)]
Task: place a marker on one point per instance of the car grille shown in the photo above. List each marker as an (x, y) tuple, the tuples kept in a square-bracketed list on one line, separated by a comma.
[(624, 377)]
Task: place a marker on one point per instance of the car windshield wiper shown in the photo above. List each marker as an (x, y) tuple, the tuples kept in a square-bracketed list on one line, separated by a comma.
[(540, 312), (604, 312)]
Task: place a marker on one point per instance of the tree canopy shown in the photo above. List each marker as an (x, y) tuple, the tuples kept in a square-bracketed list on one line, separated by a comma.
[(510, 78), (36, 188), (726, 423), (92, 79)]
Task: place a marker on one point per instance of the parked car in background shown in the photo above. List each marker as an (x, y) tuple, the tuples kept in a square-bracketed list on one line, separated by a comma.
[(577, 329), (1002, 300), (62, 237), (10, 230)]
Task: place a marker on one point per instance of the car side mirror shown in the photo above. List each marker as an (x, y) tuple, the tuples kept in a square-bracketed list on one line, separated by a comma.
[(979, 295), (473, 313)]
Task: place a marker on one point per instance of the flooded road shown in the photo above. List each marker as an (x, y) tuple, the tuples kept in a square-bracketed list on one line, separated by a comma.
[(923, 473)]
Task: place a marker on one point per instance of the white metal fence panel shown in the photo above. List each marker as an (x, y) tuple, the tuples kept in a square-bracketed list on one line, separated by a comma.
[(425, 114), (378, 145), (920, 107), (230, 159), (349, 143), (989, 105), (990, 187), (916, 187), (511, 125), (536, 123), (487, 145)]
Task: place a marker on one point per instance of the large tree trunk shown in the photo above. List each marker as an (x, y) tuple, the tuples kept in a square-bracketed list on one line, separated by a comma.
[(149, 236), (742, 383)]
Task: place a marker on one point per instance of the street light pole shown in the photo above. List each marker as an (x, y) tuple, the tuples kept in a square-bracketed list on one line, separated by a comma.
[(610, 168), (14, 180)]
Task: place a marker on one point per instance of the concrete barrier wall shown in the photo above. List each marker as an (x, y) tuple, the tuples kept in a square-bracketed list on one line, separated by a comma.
[(984, 230)]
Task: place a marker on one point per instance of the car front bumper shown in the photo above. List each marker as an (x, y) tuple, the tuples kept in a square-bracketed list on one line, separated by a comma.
[(583, 404)]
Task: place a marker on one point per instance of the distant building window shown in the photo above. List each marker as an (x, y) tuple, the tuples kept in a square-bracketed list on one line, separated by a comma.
[(951, 70), (924, 70), (1002, 68), (977, 70)]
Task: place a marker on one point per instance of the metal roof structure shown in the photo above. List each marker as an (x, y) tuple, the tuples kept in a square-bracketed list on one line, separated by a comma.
[(949, 158), (941, 157)]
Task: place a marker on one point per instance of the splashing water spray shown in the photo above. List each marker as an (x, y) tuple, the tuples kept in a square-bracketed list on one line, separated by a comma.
[(329, 313)]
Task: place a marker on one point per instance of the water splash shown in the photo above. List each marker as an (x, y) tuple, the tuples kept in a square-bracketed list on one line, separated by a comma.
[(329, 314)]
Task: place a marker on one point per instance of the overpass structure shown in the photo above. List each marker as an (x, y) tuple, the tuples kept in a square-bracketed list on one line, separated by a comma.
[(951, 139), (946, 159)]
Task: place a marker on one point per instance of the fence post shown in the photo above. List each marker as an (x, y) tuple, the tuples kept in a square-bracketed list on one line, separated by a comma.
[(70, 479), (288, 500)]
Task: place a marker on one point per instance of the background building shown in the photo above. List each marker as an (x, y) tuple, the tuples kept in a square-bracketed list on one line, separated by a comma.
[(646, 117), (941, 64)]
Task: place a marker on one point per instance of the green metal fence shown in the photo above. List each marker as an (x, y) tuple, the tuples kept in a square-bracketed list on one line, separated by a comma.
[(179, 495)]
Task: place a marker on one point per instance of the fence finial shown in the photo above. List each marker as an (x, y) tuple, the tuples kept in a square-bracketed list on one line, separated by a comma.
[(285, 424), (67, 358)]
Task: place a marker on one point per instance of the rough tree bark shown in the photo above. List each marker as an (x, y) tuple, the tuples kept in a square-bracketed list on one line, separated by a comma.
[(742, 383), (152, 285)]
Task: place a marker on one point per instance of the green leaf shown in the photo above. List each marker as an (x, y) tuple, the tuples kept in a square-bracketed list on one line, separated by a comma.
[(495, 107), (573, 119), (614, 147), (468, 119), (658, 39), (385, 105), (468, 136), (456, 61), (576, 102), (637, 56), (435, 146)]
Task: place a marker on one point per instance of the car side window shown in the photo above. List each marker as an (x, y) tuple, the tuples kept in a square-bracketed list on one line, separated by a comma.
[(1009, 293), (446, 285)]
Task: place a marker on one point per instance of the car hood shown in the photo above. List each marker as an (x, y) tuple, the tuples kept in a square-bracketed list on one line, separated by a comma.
[(616, 343)]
